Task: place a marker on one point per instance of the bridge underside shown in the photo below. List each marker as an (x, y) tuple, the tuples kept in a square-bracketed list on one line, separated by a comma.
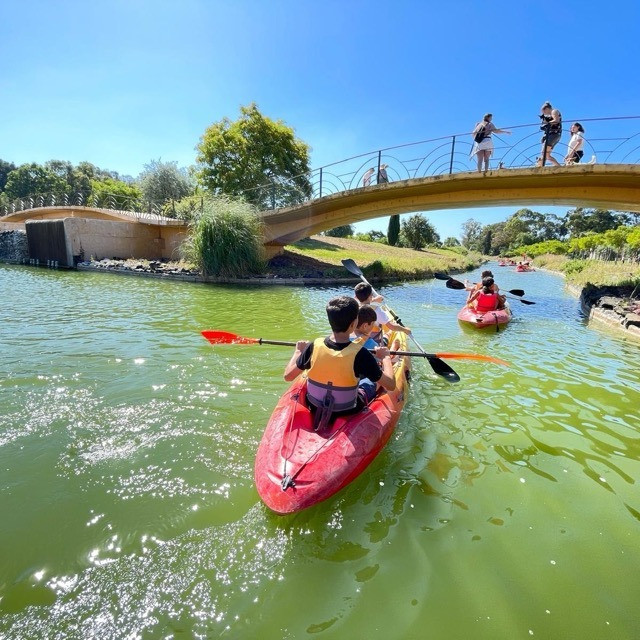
[(603, 186)]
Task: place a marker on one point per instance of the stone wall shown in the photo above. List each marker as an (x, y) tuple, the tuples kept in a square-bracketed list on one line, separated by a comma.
[(615, 306), (13, 246)]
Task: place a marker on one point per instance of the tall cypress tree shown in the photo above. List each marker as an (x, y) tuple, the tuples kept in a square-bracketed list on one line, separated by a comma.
[(393, 232)]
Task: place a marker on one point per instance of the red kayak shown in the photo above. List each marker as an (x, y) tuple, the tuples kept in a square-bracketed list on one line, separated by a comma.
[(297, 467), (472, 318), (523, 269)]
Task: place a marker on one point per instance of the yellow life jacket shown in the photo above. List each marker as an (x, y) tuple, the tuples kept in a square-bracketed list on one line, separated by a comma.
[(331, 376)]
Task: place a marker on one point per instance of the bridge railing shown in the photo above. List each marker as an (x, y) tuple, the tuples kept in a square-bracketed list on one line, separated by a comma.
[(136, 208), (607, 141)]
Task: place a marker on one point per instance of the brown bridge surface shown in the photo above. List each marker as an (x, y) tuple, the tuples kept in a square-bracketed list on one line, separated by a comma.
[(603, 186)]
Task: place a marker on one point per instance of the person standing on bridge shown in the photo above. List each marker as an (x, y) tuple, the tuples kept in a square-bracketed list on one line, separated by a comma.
[(382, 174), (576, 144), (366, 179), (482, 136), (552, 127)]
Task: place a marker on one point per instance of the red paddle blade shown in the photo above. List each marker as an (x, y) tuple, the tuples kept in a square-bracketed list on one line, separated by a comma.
[(225, 337), (473, 356)]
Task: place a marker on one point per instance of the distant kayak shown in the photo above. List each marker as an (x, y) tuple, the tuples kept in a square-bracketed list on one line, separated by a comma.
[(521, 268), (480, 320), (297, 467)]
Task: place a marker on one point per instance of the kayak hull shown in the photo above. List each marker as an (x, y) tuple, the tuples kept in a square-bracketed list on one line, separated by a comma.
[(524, 269), (471, 318), (322, 463)]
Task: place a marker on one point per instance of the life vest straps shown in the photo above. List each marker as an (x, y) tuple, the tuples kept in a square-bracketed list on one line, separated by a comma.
[(343, 398)]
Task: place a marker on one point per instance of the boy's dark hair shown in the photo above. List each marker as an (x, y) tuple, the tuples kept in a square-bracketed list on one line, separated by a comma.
[(363, 291), (366, 314), (487, 274), (341, 312), (487, 283)]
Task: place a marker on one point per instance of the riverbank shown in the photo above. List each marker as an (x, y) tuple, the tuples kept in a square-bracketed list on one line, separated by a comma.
[(609, 292), (312, 261)]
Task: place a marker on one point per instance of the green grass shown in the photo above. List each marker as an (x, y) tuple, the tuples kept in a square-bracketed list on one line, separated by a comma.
[(596, 272), (379, 260)]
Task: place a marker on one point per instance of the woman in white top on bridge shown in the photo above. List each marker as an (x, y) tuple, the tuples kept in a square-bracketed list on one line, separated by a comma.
[(483, 140), (576, 144)]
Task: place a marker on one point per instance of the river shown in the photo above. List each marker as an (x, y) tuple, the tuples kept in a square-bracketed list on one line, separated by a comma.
[(504, 506)]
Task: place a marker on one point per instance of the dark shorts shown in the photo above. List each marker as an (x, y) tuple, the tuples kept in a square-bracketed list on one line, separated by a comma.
[(552, 139), (576, 156)]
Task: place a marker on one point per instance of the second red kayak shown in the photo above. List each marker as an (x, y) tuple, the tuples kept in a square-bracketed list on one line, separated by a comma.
[(471, 318)]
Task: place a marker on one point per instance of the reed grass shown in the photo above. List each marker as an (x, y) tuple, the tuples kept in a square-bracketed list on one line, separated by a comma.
[(225, 239)]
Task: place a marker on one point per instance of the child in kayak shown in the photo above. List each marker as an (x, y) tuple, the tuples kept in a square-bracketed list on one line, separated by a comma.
[(335, 366), (477, 286), (486, 299), (366, 322), (364, 295)]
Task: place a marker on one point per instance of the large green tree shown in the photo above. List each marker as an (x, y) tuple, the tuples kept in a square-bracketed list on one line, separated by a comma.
[(582, 221), (472, 234), (163, 181), (418, 232), (32, 179), (254, 157)]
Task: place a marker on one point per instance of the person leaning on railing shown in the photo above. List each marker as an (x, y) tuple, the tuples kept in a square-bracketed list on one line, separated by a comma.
[(483, 147)]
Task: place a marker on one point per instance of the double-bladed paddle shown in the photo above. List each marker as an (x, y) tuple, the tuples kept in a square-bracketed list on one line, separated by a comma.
[(226, 337), (452, 283), (439, 367)]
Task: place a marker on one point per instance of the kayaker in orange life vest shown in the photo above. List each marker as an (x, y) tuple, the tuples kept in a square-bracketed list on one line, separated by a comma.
[(477, 286), (335, 366), (485, 299)]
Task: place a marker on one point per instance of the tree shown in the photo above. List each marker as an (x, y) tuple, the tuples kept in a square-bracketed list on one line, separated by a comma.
[(5, 169), (255, 157), (472, 234), (340, 232), (419, 232), (163, 181), (451, 242), (486, 243), (393, 232), (33, 179), (580, 221), (114, 194)]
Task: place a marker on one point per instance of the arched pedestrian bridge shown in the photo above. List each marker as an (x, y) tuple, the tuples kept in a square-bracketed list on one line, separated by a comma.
[(613, 186)]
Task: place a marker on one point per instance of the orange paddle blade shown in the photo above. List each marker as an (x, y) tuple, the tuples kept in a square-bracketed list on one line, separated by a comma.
[(473, 356), (225, 337)]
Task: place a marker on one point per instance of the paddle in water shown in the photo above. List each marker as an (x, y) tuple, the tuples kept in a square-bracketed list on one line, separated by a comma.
[(215, 336)]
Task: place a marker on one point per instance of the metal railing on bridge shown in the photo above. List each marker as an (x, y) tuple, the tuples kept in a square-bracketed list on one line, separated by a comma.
[(607, 141), (135, 208)]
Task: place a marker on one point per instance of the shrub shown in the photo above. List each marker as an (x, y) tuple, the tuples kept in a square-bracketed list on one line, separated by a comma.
[(225, 239)]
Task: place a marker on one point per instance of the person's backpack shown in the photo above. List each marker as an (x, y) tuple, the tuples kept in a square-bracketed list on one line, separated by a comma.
[(479, 134)]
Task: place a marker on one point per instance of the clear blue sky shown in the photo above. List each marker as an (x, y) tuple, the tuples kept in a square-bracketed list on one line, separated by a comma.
[(120, 83)]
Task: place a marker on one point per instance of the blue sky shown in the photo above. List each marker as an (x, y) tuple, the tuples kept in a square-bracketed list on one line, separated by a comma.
[(120, 83)]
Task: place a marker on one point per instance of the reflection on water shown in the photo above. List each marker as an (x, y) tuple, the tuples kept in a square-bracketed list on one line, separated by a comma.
[(504, 506)]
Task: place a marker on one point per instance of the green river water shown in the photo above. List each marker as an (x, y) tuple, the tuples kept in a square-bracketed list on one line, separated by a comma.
[(505, 506)]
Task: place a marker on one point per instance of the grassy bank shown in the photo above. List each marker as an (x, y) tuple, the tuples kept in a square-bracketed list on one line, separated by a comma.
[(321, 256), (596, 272)]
